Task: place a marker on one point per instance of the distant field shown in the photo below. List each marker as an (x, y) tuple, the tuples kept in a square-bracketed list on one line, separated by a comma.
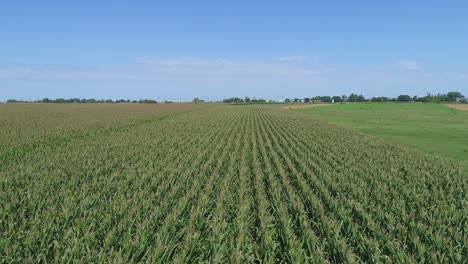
[(300, 106), (212, 183), (432, 128), (27, 123), (463, 107)]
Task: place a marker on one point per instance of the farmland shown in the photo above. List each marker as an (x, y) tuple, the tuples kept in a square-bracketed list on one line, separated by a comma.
[(218, 183), (433, 128)]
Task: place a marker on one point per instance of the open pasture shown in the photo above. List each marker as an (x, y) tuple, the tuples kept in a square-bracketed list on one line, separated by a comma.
[(433, 128)]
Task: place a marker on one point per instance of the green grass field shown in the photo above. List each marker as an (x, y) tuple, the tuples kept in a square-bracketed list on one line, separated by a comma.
[(433, 128)]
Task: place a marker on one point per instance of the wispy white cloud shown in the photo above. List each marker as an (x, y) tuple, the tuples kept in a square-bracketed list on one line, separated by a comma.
[(409, 65), (144, 68), (294, 75), (64, 72), (218, 67), (462, 76), (293, 58)]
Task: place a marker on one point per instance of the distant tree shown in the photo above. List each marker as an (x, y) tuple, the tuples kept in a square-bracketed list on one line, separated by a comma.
[(404, 98), (236, 100), (421, 99), (197, 100), (297, 100), (453, 96), (12, 101), (430, 98), (323, 99), (380, 99), (337, 99), (257, 101), (287, 100), (247, 99), (147, 101), (356, 98), (306, 100)]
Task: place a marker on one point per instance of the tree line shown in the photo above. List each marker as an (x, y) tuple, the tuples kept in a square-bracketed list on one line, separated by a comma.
[(88, 101), (238, 100), (429, 98)]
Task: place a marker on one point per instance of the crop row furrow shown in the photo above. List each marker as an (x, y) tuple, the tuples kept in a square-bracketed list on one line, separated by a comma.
[(171, 231), (289, 241), (351, 229), (249, 213), (335, 246), (222, 227), (200, 217), (386, 246)]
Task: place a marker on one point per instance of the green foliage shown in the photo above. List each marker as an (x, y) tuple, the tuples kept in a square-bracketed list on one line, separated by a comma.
[(356, 98), (439, 98), (236, 100), (381, 99), (404, 98), (337, 99), (453, 96), (197, 100), (246, 100), (147, 101), (216, 183), (325, 99)]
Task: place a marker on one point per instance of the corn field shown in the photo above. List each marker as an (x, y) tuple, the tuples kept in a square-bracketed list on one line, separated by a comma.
[(217, 183)]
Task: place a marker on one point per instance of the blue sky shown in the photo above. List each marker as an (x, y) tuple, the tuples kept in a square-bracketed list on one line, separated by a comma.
[(272, 49)]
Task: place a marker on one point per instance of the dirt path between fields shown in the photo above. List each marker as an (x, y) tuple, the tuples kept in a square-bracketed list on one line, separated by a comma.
[(463, 107), (292, 107)]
